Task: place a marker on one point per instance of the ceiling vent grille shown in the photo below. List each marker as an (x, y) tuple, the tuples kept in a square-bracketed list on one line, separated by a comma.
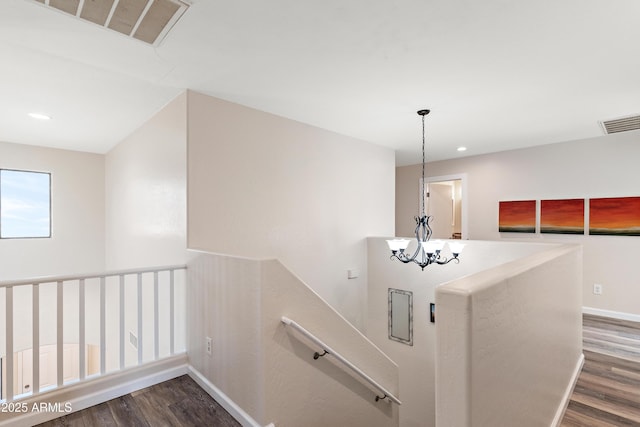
[(146, 20), (623, 124)]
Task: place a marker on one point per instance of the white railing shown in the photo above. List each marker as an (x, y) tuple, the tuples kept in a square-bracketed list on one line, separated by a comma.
[(337, 356), (162, 276)]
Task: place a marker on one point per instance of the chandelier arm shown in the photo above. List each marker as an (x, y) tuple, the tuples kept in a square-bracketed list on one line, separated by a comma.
[(415, 254), (447, 260), (426, 223), (424, 263), (417, 233), (402, 257)]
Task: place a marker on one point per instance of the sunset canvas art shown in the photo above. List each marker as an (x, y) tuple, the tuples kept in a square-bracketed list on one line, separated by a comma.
[(517, 216), (564, 216), (617, 216)]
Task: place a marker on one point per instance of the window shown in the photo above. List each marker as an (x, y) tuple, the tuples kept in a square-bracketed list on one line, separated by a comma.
[(25, 204)]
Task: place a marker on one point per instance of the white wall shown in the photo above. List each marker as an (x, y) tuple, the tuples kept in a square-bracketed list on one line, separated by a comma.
[(417, 363), (265, 186), (598, 167), (77, 214), (145, 181)]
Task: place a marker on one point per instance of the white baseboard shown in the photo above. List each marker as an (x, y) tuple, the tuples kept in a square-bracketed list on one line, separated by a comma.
[(82, 395), (568, 392), (612, 314), (229, 405)]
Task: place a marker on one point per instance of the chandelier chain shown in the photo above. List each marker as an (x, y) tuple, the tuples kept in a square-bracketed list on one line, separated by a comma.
[(423, 160)]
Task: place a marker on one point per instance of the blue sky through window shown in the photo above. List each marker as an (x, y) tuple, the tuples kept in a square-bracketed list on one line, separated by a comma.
[(25, 204)]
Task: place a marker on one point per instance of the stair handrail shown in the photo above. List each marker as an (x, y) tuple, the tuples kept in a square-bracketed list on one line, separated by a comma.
[(328, 350)]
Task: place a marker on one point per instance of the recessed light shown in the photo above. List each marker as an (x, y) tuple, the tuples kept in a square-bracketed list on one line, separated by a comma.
[(39, 116), (462, 148)]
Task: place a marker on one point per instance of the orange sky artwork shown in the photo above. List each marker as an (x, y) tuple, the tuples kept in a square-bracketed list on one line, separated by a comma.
[(558, 215), (517, 215), (620, 215)]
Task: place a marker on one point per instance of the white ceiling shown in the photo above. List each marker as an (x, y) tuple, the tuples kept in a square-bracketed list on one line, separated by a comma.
[(497, 74)]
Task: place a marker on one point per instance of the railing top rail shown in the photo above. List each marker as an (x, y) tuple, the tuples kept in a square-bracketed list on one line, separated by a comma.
[(66, 278), (339, 357)]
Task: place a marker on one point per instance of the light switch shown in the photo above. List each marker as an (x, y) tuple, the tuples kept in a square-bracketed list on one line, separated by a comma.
[(353, 273)]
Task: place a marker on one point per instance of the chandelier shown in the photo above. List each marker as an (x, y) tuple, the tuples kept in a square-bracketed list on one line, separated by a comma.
[(428, 251)]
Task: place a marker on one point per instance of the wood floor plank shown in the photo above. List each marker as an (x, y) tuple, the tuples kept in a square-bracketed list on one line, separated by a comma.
[(99, 415), (608, 386), (575, 417), (151, 404), (625, 335), (617, 372), (75, 419), (599, 359), (125, 411), (630, 343), (604, 323), (580, 415), (198, 407), (620, 351), (179, 402), (609, 405)]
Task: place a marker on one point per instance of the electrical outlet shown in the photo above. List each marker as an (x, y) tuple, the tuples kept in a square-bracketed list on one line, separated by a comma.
[(208, 346), (133, 340), (597, 289)]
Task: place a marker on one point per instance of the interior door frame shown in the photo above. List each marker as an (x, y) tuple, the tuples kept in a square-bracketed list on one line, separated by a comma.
[(464, 229)]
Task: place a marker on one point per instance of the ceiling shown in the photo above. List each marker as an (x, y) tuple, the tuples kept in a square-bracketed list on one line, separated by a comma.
[(497, 74)]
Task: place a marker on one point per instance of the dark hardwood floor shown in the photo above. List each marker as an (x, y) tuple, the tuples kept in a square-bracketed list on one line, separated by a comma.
[(178, 402), (607, 392)]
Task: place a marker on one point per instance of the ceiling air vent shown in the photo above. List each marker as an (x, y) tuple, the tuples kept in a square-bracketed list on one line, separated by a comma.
[(145, 20), (622, 124)]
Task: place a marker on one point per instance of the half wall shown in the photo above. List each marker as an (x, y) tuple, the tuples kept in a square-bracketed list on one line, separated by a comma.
[(509, 342), (266, 369)]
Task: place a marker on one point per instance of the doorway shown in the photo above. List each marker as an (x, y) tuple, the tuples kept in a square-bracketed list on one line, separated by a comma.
[(445, 201)]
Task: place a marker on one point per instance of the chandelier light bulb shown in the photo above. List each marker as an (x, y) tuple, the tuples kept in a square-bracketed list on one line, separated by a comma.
[(39, 116), (398, 244), (456, 248)]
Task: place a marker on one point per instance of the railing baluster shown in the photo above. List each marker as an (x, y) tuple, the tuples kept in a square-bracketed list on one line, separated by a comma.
[(60, 333), (156, 328), (35, 316), (9, 342), (83, 356), (103, 334), (122, 321), (81, 330), (140, 319), (171, 312)]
